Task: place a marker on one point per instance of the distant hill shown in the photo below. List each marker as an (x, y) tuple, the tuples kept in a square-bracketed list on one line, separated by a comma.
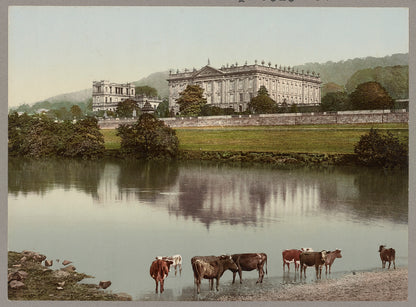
[(334, 72), (158, 81), (340, 72), (395, 79)]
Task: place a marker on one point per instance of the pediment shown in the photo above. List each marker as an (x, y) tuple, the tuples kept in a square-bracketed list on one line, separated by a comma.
[(207, 71)]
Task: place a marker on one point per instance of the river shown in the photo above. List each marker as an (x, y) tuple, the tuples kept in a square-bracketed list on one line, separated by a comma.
[(111, 218)]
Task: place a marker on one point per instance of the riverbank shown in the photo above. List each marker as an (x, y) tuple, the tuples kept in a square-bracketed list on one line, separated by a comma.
[(30, 278), (387, 285)]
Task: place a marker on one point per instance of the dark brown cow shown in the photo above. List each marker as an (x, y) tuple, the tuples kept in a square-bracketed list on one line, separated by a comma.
[(159, 270), (292, 255), (210, 267), (330, 258), (249, 262), (316, 259), (387, 254)]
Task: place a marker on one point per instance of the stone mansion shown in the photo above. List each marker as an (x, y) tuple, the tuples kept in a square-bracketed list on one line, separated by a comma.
[(106, 95), (234, 86)]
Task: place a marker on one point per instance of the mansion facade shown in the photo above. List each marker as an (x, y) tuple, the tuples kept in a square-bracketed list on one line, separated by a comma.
[(106, 95), (234, 86)]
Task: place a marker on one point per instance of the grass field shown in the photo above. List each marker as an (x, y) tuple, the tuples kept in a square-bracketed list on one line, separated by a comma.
[(329, 139)]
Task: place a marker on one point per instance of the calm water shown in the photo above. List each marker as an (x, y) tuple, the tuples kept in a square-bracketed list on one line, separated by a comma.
[(111, 218)]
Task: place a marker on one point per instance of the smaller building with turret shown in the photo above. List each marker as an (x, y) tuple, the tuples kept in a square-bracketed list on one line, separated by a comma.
[(106, 95)]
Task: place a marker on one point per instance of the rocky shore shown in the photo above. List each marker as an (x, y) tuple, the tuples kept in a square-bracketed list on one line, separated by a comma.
[(31, 278), (387, 285)]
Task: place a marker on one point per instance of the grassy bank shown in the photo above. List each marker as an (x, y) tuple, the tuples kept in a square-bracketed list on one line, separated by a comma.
[(315, 139)]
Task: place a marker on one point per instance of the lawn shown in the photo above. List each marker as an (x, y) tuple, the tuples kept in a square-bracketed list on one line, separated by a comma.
[(329, 139)]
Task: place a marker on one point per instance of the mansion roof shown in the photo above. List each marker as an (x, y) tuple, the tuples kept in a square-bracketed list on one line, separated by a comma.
[(235, 70)]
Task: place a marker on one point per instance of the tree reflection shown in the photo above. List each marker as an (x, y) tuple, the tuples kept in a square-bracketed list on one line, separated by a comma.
[(145, 180), (38, 176)]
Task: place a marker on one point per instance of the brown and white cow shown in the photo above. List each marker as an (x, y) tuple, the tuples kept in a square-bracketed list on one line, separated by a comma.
[(249, 262), (211, 267), (387, 254), (159, 270), (316, 259), (176, 262), (292, 255), (330, 258)]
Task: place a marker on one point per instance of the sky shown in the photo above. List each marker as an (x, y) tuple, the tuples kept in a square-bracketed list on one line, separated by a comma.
[(57, 50)]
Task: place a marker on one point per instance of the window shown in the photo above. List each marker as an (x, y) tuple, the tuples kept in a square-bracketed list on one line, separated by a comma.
[(241, 97)]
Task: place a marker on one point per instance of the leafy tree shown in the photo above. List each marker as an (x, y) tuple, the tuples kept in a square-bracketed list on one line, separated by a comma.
[(76, 111), (163, 108), (83, 139), (375, 149), (335, 101), (18, 127), (371, 95), (262, 103), (39, 136), (148, 138), (146, 90), (42, 138), (191, 100), (126, 107)]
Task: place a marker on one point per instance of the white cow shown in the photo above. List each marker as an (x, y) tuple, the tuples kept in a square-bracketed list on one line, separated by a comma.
[(176, 259)]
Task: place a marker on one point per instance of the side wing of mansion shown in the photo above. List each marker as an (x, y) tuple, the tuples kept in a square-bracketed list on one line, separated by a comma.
[(234, 86)]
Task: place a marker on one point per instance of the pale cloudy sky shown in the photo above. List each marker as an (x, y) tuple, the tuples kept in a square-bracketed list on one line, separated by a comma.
[(56, 50)]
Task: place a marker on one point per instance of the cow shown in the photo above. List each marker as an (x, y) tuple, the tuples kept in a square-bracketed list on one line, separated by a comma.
[(249, 262), (316, 259), (292, 255), (176, 259), (330, 258), (210, 267), (387, 254), (159, 270)]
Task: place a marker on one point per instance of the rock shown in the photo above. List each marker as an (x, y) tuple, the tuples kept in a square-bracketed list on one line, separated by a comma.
[(124, 296), (60, 274), (28, 255), (61, 284), (48, 262), (17, 265), (23, 274), (69, 268), (59, 288), (66, 262), (104, 284), (19, 275), (15, 284)]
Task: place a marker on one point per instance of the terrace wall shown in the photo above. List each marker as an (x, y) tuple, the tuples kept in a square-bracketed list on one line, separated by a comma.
[(344, 117)]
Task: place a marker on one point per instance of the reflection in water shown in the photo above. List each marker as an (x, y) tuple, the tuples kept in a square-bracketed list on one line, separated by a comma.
[(39, 176), (211, 193)]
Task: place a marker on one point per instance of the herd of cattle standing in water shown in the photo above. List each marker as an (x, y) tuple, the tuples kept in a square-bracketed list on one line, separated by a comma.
[(213, 267)]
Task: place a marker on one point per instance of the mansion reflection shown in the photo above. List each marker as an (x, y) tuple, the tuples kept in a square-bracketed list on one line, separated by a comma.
[(215, 193)]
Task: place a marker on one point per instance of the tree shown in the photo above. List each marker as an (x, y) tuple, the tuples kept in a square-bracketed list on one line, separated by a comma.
[(148, 138), (191, 100), (76, 111), (375, 149), (262, 103), (126, 107), (83, 139), (146, 90), (163, 108), (371, 95), (335, 101)]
